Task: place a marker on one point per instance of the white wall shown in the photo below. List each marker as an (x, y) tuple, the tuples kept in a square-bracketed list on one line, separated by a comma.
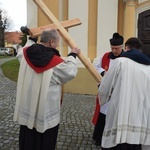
[(79, 9), (107, 24), (31, 14), (141, 1)]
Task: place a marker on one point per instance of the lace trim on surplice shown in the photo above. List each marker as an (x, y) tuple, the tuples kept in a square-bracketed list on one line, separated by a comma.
[(127, 128)]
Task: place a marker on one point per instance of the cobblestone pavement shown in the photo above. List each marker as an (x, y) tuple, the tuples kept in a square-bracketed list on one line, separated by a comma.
[(75, 132)]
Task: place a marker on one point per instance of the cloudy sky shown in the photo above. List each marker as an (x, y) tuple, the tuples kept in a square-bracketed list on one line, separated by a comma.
[(16, 9)]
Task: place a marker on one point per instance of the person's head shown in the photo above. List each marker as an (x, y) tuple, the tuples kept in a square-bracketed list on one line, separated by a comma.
[(50, 38), (116, 43), (25, 30), (133, 43)]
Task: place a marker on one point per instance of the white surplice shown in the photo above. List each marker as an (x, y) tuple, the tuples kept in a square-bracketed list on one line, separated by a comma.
[(126, 86)]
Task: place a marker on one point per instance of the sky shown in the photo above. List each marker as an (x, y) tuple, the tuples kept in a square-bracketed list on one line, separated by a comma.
[(16, 10)]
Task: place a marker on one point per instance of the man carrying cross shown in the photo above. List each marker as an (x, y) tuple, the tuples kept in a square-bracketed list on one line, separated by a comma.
[(41, 75), (45, 77)]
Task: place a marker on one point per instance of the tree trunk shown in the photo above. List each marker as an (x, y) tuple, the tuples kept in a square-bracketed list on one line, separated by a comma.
[(2, 37)]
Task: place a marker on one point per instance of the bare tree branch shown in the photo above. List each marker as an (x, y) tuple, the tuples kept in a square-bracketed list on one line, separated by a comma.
[(6, 21)]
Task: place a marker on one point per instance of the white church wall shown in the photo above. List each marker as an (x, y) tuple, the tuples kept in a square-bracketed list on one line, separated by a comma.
[(31, 14), (141, 1), (79, 9), (107, 24)]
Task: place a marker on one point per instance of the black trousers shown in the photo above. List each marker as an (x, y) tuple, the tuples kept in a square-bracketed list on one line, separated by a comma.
[(99, 128), (30, 139), (125, 146)]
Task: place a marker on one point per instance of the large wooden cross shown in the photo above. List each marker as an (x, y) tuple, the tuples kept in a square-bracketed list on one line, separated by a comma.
[(68, 39), (35, 32)]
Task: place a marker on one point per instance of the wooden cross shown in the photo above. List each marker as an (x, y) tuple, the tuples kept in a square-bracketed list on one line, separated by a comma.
[(35, 32), (68, 39)]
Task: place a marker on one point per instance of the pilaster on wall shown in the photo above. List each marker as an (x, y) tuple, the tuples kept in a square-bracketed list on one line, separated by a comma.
[(120, 17), (53, 6), (129, 19), (92, 28)]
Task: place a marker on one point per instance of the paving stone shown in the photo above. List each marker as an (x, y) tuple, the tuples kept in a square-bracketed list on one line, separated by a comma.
[(75, 132)]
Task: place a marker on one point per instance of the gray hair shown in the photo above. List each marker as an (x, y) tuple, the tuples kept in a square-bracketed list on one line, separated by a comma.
[(49, 34)]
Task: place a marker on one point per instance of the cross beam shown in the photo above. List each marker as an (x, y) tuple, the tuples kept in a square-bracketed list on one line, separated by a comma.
[(68, 39), (35, 32)]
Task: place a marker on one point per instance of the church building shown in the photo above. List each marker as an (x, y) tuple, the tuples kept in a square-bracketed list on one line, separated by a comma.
[(100, 19)]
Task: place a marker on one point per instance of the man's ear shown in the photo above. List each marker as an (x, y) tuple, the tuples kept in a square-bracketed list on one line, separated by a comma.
[(51, 42), (127, 48)]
